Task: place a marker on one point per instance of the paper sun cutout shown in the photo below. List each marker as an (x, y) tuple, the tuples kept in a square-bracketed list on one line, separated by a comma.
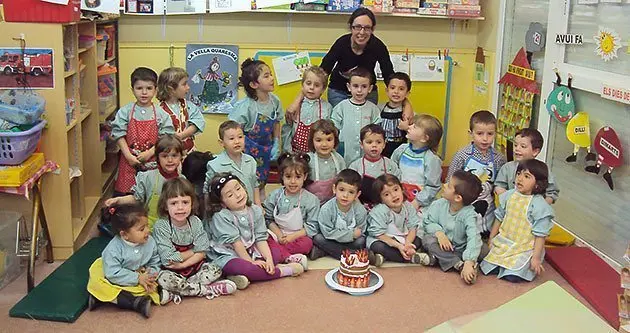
[(608, 42)]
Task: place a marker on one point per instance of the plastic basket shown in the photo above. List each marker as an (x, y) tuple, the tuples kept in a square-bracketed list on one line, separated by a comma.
[(16, 147), (21, 107)]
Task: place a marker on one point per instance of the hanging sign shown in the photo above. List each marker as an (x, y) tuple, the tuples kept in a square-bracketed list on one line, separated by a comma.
[(523, 72), (615, 94), (569, 39)]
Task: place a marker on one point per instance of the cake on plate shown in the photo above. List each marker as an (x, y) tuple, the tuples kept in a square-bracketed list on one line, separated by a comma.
[(354, 269)]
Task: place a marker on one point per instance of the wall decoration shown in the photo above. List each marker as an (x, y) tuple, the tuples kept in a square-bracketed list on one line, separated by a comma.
[(608, 42), (615, 94), (213, 72), (609, 152), (570, 39), (28, 68), (560, 102), (227, 6), (534, 39), (579, 134), (519, 88), (145, 7), (186, 6), (426, 68), (400, 62), (104, 6), (289, 68)]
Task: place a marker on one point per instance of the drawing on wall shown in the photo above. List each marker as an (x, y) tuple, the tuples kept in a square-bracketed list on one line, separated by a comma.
[(290, 68), (609, 152), (31, 68), (103, 6), (213, 72), (608, 42)]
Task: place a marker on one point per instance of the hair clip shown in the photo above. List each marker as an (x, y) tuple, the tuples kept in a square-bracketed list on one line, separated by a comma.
[(112, 210), (222, 182)]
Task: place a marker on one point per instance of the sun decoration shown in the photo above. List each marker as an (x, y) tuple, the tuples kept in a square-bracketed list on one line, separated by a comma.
[(608, 42)]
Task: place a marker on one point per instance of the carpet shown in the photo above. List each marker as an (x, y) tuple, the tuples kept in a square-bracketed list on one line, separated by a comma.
[(595, 280), (62, 296)]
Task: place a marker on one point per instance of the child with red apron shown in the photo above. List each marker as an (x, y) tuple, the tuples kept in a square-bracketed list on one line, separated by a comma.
[(296, 134), (140, 128)]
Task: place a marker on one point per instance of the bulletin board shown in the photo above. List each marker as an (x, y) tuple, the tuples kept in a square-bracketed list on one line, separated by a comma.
[(425, 97)]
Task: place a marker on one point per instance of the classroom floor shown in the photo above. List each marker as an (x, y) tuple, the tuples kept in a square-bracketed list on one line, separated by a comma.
[(413, 298)]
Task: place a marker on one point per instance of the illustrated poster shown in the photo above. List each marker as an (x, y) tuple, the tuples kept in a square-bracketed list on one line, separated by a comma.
[(290, 68), (145, 7), (186, 6), (213, 72), (103, 6), (427, 68), (33, 70), (228, 6), (400, 62)]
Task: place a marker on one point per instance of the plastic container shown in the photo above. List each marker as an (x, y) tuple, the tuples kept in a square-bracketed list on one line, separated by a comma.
[(41, 12), (10, 263), (107, 81), (16, 147), (86, 41), (101, 45), (110, 30), (21, 106)]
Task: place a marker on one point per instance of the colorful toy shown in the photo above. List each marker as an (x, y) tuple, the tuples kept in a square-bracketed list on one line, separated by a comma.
[(609, 152)]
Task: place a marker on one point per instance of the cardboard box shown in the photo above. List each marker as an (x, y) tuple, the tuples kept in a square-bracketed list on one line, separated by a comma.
[(463, 2), (379, 6), (432, 11), (405, 10), (464, 10), (407, 4), (437, 5), (13, 176)]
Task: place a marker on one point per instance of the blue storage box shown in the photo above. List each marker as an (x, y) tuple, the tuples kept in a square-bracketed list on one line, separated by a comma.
[(21, 107)]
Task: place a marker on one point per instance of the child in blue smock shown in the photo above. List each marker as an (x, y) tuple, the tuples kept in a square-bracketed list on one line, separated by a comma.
[(186, 116), (126, 272), (450, 225), (342, 220), (260, 113), (483, 160), (233, 160), (311, 107), (169, 150), (352, 114), (136, 129), (394, 228), (524, 219), (420, 167)]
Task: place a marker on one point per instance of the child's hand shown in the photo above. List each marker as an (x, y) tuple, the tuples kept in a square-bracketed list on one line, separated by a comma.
[(111, 202), (357, 233), (289, 238), (132, 160), (536, 266), (403, 252), (174, 265), (147, 282), (283, 240), (410, 249), (445, 243), (144, 156), (468, 273), (499, 190)]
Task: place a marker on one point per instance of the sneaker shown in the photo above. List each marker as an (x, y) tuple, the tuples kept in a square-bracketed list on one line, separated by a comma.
[(241, 281), (143, 305), (421, 258), (168, 296), (298, 258), (296, 268), (222, 287), (93, 303), (459, 266), (316, 253), (376, 259)]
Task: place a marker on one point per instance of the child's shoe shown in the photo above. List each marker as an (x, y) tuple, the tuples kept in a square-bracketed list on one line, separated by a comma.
[(421, 258), (168, 296), (298, 258), (140, 304), (216, 289), (93, 302), (241, 281), (376, 259), (296, 269), (316, 253)]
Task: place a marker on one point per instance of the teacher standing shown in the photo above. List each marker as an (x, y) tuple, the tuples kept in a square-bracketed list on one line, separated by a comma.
[(359, 48)]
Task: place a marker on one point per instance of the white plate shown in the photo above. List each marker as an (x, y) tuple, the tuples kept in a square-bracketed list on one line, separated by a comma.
[(376, 281)]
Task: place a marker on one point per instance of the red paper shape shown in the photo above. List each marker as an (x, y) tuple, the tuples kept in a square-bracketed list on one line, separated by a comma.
[(608, 147), (517, 81)]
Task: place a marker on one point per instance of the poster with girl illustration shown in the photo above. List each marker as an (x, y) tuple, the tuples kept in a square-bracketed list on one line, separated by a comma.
[(213, 73)]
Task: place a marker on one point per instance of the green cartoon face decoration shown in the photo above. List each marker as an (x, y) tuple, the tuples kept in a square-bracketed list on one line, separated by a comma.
[(560, 102)]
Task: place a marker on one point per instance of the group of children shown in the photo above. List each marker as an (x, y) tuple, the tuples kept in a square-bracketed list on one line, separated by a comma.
[(353, 176)]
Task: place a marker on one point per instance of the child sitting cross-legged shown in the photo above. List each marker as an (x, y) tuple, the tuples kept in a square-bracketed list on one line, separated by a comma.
[(393, 225), (450, 225)]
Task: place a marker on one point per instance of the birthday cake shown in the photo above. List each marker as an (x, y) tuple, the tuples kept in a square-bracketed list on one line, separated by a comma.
[(354, 269)]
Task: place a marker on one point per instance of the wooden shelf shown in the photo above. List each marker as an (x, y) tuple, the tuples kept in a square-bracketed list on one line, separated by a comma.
[(79, 223), (85, 115), (71, 125), (108, 170), (288, 11), (83, 49), (82, 67), (107, 113), (108, 60), (69, 73)]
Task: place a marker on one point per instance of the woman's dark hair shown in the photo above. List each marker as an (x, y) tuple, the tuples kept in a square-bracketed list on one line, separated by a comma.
[(540, 171), (288, 161), (173, 188), (386, 179), (123, 217), (250, 71), (212, 199), (360, 12)]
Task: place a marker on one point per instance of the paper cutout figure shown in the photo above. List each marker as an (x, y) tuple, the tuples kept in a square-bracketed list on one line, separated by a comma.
[(560, 101), (579, 133), (534, 39), (608, 42), (609, 152)]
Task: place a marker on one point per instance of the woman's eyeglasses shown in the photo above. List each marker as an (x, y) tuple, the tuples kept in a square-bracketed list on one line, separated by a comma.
[(358, 27)]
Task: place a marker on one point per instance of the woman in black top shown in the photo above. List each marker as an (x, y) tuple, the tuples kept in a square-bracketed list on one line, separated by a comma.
[(360, 48)]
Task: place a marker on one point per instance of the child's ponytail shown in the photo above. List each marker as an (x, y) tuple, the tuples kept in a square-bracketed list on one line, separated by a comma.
[(250, 71), (123, 217)]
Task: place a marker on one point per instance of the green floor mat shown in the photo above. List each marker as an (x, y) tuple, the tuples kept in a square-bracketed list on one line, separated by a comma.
[(62, 296)]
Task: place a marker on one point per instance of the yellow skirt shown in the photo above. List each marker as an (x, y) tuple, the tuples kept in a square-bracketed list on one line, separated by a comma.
[(105, 291)]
